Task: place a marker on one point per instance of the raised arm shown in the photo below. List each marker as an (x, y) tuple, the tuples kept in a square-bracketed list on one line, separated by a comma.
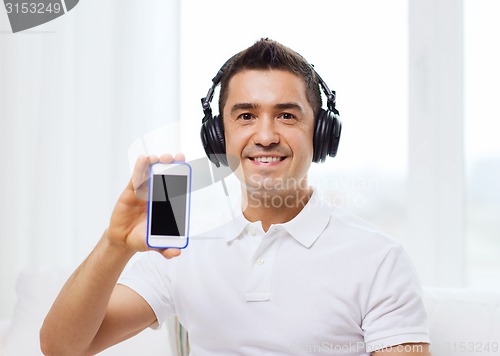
[(91, 312)]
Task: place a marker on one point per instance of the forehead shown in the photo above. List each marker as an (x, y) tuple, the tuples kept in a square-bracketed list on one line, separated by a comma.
[(266, 87)]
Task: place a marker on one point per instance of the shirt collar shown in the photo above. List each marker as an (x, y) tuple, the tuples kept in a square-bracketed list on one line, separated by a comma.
[(306, 227), (234, 228)]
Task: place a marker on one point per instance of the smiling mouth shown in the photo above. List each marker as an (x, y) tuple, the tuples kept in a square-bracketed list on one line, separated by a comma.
[(267, 159)]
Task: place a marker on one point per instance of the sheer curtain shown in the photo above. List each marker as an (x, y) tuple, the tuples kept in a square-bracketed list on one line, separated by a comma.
[(482, 147), (74, 94)]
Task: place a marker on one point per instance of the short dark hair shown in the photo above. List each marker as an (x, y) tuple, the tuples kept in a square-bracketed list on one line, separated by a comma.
[(267, 54)]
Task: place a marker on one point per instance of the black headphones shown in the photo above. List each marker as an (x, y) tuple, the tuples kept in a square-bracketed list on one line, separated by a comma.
[(326, 130)]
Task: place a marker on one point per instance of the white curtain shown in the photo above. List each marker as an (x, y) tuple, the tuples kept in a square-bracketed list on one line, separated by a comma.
[(74, 94)]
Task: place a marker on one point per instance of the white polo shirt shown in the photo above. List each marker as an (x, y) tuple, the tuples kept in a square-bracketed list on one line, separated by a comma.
[(324, 282)]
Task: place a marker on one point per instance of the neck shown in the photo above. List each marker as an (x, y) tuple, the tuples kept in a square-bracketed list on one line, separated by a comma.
[(274, 208)]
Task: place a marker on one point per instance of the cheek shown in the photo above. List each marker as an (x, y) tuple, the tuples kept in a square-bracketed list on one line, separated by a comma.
[(233, 155), (235, 137), (231, 143), (303, 145), (234, 146)]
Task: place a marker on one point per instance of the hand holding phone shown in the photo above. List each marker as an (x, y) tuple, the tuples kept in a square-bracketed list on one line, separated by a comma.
[(169, 198)]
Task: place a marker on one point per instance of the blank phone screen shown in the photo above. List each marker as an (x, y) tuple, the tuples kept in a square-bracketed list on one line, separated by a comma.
[(168, 215)]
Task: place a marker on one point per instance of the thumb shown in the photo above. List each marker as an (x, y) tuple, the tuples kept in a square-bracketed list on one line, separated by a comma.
[(169, 252)]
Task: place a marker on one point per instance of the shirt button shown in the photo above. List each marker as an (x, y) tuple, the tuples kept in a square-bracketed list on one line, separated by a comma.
[(253, 232), (260, 261)]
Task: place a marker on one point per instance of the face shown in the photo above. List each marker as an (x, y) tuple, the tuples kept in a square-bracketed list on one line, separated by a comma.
[(269, 125)]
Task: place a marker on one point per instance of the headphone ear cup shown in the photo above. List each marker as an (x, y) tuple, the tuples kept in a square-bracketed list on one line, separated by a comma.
[(219, 139), (326, 135), (334, 134), (205, 141), (212, 138), (319, 150)]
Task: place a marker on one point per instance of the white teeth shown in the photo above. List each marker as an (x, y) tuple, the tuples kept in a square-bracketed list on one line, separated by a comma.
[(267, 159)]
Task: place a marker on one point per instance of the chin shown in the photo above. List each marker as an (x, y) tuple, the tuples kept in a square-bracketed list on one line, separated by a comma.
[(265, 184)]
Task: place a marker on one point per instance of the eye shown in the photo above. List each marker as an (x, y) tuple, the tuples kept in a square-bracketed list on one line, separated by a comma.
[(245, 116), (287, 116)]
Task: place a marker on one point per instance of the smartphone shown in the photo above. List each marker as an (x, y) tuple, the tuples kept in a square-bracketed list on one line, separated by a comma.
[(169, 200)]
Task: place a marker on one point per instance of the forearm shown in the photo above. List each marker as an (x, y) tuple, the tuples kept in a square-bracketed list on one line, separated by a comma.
[(79, 310)]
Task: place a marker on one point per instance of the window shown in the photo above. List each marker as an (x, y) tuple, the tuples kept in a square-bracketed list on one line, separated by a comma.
[(482, 143)]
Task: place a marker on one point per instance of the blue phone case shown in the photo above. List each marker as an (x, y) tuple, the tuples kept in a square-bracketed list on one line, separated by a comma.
[(188, 202)]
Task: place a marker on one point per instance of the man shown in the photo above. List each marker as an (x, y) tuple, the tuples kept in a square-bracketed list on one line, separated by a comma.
[(290, 275)]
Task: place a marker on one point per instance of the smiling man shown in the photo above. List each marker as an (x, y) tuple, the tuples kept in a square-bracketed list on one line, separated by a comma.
[(269, 125), (290, 275)]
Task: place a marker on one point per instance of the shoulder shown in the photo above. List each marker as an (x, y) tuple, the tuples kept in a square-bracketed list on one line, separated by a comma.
[(347, 228)]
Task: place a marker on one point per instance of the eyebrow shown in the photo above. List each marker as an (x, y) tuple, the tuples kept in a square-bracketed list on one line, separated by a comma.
[(242, 106), (281, 106), (288, 106)]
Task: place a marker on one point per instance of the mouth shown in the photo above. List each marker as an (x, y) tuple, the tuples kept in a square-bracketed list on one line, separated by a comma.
[(268, 160)]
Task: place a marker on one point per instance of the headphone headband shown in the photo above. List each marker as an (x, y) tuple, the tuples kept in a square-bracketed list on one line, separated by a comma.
[(331, 97), (205, 101)]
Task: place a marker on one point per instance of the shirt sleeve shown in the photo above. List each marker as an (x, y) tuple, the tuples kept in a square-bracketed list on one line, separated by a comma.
[(148, 276), (395, 312)]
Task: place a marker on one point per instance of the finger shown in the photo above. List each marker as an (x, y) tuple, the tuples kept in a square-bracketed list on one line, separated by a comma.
[(168, 252), (179, 157), (166, 158), (141, 165), (140, 175), (152, 159)]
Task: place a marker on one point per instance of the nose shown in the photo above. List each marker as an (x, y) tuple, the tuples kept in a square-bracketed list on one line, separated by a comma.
[(266, 133)]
